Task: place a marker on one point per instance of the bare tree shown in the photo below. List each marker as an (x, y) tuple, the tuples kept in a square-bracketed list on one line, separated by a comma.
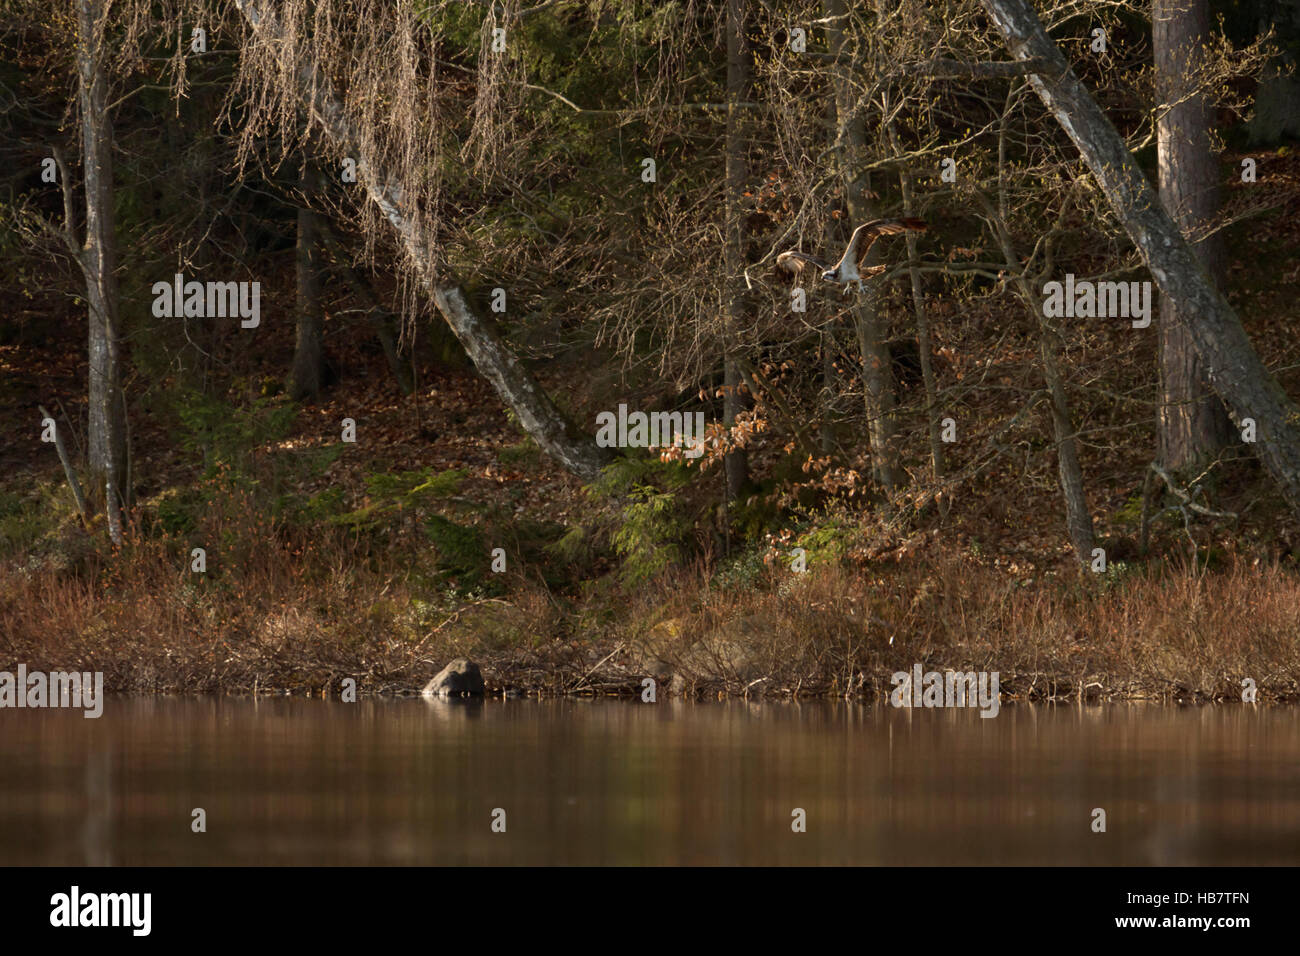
[(1077, 516), (851, 151), (307, 374), (1232, 366), (383, 320), (395, 198), (737, 149), (107, 435), (923, 348)]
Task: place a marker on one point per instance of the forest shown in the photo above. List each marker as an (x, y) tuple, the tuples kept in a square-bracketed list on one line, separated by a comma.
[(347, 337)]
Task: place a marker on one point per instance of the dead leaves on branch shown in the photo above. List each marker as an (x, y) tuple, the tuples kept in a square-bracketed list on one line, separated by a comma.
[(718, 441)]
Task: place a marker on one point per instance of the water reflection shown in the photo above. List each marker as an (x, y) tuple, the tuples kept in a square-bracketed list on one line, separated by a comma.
[(415, 782)]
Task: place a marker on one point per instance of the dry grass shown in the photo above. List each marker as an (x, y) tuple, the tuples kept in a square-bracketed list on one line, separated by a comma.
[(300, 618), (834, 631)]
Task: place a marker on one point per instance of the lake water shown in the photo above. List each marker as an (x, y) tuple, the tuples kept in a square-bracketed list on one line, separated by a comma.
[(599, 782)]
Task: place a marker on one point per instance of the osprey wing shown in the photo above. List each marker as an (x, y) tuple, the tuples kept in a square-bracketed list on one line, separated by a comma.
[(865, 236), (794, 262)]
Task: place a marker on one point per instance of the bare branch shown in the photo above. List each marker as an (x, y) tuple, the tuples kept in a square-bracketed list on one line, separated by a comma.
[(68, 233)]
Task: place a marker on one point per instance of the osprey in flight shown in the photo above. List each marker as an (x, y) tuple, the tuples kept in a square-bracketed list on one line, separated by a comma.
[(848, 268)]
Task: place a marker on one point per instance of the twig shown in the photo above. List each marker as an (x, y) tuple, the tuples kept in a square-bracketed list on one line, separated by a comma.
[(454, 617), (594, 667), (1187, 499), (73, 483)]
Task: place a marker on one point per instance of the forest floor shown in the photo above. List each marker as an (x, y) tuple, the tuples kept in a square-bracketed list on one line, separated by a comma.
[(326, 560)]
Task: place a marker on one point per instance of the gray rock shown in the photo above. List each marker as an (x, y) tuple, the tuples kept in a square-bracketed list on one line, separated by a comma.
[(460, 678)]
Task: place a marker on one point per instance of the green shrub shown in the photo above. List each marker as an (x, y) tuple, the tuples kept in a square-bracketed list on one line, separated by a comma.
[(27, 517), (462, 554), (648, 539), (414, 487), (178, 511), (322, 506), (230, 434), (743, 571), (829, 541), (391, 495)]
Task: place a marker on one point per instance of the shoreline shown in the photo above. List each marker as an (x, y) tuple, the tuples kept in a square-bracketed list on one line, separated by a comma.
[(521, 678), (835, 631)]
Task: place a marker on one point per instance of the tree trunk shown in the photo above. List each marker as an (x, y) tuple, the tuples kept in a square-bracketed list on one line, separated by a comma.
[(922, 324), (1078, 518), (735, 462), (107, 444), (536, 412), (307, 375), (1193, 424), (382, 320), (1232, 366), (827, 398), (877, 366)]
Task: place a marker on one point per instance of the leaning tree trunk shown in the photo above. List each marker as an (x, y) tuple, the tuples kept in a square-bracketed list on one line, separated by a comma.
[(736, 462), (307, 374), (877, 366), (536, 412), (107, 442), (1232, 366), (1193, 424)]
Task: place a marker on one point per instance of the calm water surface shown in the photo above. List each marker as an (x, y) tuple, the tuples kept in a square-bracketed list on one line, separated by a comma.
[(410, 782)]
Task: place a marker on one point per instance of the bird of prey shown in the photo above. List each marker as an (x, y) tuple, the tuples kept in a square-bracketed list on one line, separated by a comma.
[(849, 268)]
